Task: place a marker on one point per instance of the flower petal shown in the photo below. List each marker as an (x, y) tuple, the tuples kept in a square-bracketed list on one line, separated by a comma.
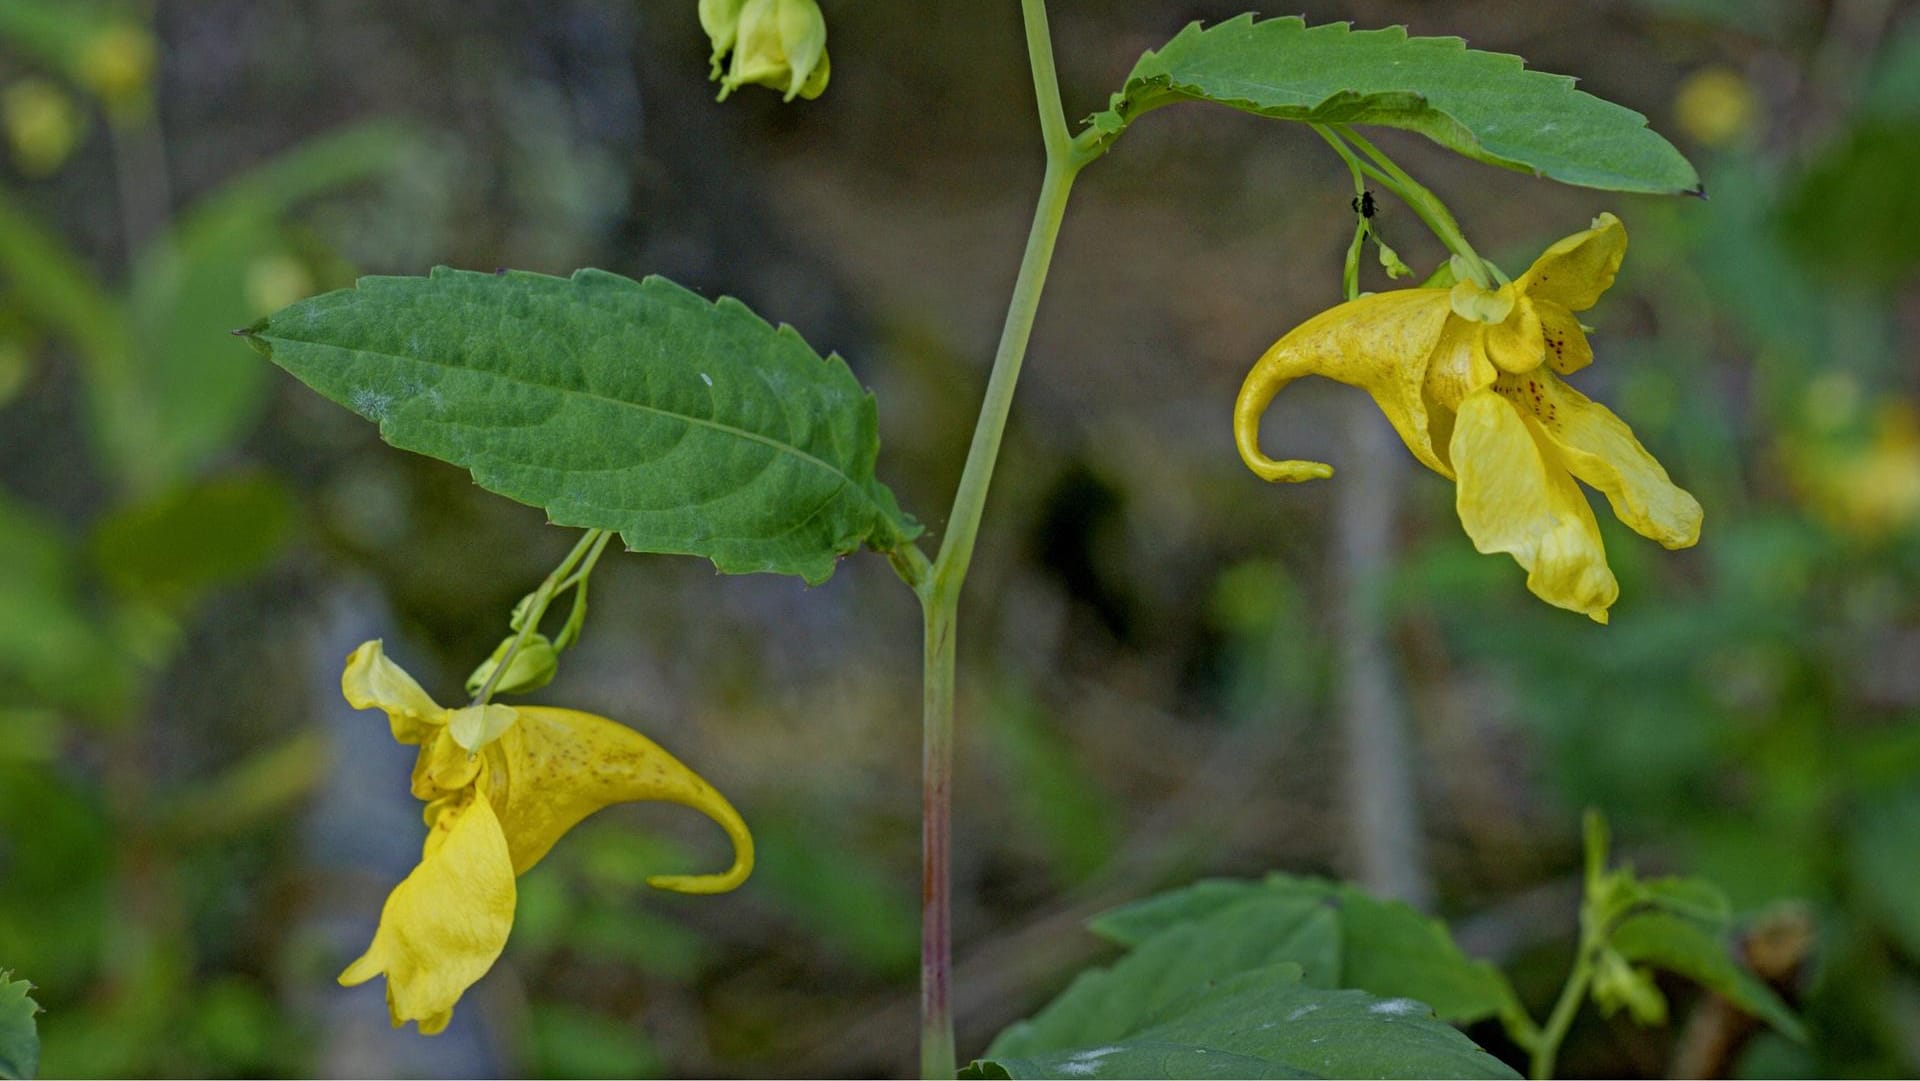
[(1513, 500), (371, 681), (1517, 344), (1576, 270), (1568, 350), (557, 766), (1599, 448), (1379, 343), (443, 766), (476, 726), (445, 924)]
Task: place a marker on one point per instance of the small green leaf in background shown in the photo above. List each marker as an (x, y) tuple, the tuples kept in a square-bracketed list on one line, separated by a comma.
[(1383, 947), (19, 1035), (1487, 106), (1852, 214), (53, 650), (170, 549), (571, 1042), (689, 427), (191, 393), (1677, 944), (1262, 1023), (1056, 799)]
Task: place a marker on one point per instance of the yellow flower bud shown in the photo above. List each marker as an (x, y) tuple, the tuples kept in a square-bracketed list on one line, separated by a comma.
[(533, 666), (42, 125), (118, 66), (1716, 106), (721, 20), (780, 44)]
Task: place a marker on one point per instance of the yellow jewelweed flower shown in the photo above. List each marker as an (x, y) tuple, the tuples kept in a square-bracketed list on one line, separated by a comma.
[(776, 43), (1470, 378), (501, 785)]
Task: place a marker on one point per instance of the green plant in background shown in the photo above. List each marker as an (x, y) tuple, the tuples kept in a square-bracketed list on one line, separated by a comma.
[(92, 618), (695, 428)]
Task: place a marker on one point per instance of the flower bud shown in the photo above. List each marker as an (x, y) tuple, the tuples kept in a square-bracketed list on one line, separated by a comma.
[(533, 666), (1618, 984), (780, 44), (118, 66), (721, 20), (42, 125)]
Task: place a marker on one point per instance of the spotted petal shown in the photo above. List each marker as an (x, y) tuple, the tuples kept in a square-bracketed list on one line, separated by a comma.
[(1379, 343), (1511, 499), (1599, 448), (1576, 270), (555, 767)]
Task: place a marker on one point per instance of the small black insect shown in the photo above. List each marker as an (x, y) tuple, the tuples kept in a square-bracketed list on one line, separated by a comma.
[(1363, 204)]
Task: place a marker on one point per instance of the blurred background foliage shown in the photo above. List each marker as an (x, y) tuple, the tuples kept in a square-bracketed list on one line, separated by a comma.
[(195, 833)]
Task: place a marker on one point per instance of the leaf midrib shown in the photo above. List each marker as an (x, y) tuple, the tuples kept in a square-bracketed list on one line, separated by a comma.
[(846, 481)]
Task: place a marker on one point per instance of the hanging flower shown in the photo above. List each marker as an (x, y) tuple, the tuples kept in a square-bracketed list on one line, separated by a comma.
[(501, 785), (775, 43), (1470, 378)]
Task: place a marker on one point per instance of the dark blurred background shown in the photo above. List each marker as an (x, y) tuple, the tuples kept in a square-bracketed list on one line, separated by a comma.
[(1169, 669)]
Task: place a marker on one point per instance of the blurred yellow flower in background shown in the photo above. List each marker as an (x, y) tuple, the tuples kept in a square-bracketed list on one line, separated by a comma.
[(1467, 376), (1868, 490), (501, 785), (1716, 106), (42, 123)]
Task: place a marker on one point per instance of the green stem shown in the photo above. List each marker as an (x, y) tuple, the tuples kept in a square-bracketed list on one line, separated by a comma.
[(939, 583), (1423, 203), (1350, 273), (591, 544), (1547, 1047)]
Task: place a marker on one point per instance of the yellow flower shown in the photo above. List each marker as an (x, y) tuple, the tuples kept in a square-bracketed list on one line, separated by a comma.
[(1470, 378), (501, 784), (777, 43)]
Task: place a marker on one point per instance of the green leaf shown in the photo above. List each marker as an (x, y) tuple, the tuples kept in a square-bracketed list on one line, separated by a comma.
[(192, 393), (1264, 1023), (1057, 800), (53, 650), (1680, 945), (687, 426), (1885, 876), (1382, 947), (1102, 1005), (19, 1035), (1692, 897), (1487, 106), (168, 550)]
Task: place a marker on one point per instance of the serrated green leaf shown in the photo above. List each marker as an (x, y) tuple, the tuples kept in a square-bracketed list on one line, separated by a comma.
[(19, 1035), (1103, 1005), (1487, 106), (689, 427), (1382, 947), (1680, 945), (1266, 1023)]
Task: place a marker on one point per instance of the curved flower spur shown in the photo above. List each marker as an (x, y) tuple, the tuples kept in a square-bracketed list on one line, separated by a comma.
[(501, 785), (1470, 378)]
